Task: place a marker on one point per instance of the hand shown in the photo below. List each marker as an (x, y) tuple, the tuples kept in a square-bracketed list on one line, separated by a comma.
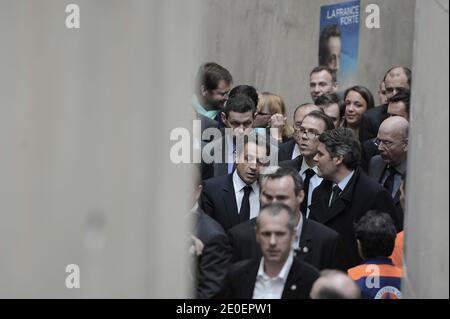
[(196, 246), (277, 121)]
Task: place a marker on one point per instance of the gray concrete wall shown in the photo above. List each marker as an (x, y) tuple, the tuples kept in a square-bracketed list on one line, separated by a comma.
[(427, 208), (274, 44), (85, 117)]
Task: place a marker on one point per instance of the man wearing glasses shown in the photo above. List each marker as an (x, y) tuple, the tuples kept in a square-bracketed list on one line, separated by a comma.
[(306, 136), (388, 167)]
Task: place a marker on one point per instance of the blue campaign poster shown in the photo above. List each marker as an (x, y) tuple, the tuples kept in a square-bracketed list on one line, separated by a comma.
[(339, 38)]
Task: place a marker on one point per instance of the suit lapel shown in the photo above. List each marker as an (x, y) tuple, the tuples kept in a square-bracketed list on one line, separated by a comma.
[(250, 279), (294, 283), (229, 199), (319, 204), (305, 242), (379, 170)]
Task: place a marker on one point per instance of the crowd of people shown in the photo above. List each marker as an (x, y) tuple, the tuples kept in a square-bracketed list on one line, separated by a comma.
[(325, 219)]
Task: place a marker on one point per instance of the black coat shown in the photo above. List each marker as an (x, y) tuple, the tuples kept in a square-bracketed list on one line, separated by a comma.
[(213, 263), (285, 150), (359, 196), (371, 121), (241, 279), (218, 200), (323, 246)]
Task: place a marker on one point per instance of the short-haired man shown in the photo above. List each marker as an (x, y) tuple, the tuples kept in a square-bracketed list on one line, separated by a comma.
[(377, 277), (346, 193), (316, 244), (277, 274), (332, 106), (399, 105), (330, 47), (322, 80), (234, 198), (389, 167), (238, 116), (334, 284), (291, 149), (307, 138)]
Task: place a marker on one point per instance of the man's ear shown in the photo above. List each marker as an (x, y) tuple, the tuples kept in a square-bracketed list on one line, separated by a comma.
[(203, 90), (338, 160), (198, 192), (223, 116), (359, 249), (336, 86), (405, 148), (301, 197)]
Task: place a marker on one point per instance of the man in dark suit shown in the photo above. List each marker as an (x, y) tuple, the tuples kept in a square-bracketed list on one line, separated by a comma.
[(291, 149), (214, 256), (346, 193), (395, 79), (389, 167), (316, 244), (234, 198), (238, 117), (278, 274), (307, 137)]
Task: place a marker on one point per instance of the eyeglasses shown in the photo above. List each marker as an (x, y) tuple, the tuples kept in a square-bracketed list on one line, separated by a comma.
[(309, 133), (387, 144)]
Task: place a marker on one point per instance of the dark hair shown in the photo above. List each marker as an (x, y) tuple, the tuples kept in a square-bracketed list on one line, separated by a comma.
[(342, 142), (328, 99), (239, 103), (329, 125), (258, 139), (275, 209), (376, 233), (365, 94), (402, 96), (306, 104), (406, 70), (328, 32), (248, 90), (210, 74), (321, 68), (288, 171)]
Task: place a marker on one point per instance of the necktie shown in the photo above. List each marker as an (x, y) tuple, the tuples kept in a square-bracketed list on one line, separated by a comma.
[(335, 195), (389, 182), (244, 213), (309, 173)]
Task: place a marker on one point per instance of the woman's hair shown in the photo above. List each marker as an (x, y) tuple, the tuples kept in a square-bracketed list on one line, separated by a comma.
[(275, 104)]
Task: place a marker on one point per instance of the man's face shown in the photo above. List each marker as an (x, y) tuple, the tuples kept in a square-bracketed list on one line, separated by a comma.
[(321, 83), (309, 140), (298, 119), (239, 122), (395, 80), (249, 162), (393, 147), (333, 112), (274, 237), (327, 166), (397, 109), (334, 49), (281, 190), (216, 99)]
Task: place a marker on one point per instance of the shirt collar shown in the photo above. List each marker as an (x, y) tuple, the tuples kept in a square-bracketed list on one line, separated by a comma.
[(400, 168), (296, 151), (305, 166), (284, 272), (239, 184), (201, 110), (342, 184)]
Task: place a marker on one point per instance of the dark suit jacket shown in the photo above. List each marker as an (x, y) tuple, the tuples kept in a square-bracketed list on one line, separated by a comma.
[(368, 150), (241, 279), (213, 263), (295, 163), (218, 200), (323, 246), (371, 121), (217, 168), (206, 123), (359, 196), (376, 169), (285, 150)]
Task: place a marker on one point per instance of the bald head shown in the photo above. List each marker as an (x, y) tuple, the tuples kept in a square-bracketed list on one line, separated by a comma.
[(396, 125), (333, 284)]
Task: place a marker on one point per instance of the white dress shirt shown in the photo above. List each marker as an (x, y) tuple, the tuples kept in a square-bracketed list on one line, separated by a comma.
[(239, 185), (271, 288), (296, 151), (313, 182)]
